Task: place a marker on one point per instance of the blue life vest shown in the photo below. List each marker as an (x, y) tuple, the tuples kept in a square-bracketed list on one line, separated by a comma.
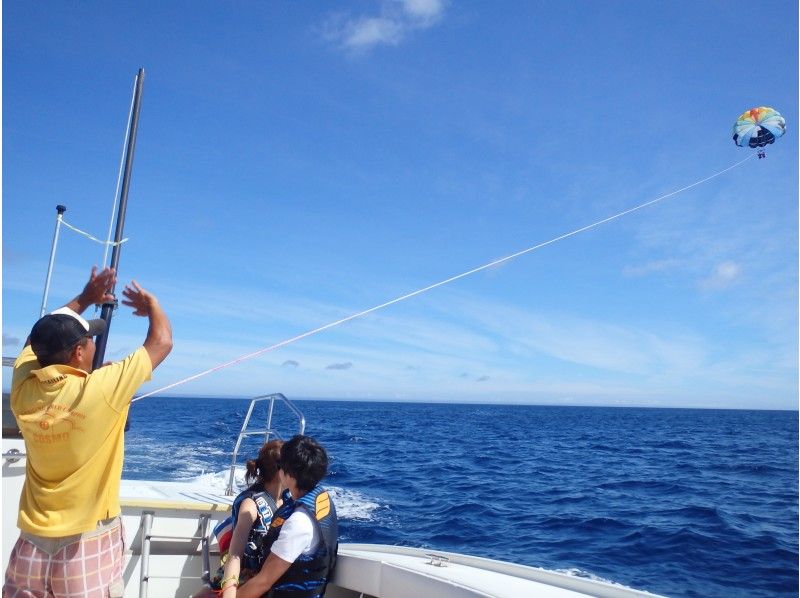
[(265, 506), (309, 574)]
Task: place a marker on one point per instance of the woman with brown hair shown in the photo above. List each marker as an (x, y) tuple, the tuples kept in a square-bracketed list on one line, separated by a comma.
[(243, 533)]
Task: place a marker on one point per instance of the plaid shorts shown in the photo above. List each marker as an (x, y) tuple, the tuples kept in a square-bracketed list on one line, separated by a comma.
[(86, 565)]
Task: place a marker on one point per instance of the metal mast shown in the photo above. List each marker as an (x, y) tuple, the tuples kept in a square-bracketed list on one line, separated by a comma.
[(108, 308)]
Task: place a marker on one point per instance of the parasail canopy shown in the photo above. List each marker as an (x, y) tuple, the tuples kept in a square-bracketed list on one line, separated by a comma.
[(758, 127)]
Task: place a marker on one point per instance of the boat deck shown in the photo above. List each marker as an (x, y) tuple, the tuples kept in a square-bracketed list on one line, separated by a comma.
[(172, 495)]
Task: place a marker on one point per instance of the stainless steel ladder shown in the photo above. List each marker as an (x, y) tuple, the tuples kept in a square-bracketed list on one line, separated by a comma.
[(267, 431), (146, 525)]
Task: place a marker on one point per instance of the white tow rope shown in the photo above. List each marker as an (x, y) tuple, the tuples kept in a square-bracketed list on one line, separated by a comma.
[(288, 341)]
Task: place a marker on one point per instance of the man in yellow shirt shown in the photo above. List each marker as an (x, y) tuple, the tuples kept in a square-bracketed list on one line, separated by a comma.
[(72, 419)]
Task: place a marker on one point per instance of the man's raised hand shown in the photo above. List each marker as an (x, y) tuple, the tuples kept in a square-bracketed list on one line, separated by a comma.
[(97, 289), (137, 298)]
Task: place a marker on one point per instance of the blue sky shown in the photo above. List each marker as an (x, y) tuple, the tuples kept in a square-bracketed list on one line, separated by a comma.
[(300, 162)]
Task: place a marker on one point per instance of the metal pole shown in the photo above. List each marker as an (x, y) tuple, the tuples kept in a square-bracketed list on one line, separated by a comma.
[(144, 562), (60, 209), (108, 308)]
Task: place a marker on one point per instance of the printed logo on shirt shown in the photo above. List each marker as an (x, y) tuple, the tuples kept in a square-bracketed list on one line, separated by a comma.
[(51, 438), (47, 417)]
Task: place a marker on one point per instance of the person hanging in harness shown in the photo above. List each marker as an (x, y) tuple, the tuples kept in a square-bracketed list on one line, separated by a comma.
[(241, 536), (301, 545)]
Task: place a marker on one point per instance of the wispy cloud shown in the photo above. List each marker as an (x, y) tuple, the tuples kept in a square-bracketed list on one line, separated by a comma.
[(396, 21), (519, 350), (340, 366), (474, 344), (583, 341), (10, 341), (723, 276)]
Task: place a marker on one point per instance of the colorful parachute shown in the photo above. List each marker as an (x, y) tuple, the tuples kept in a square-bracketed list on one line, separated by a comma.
[(758, 127)]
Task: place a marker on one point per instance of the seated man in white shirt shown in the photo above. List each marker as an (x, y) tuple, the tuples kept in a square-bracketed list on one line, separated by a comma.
[(302, 540)]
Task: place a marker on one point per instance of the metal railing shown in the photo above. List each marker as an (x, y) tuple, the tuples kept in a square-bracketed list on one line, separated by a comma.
[(14, 455), (267, 431), (10, 429), (146, 545)]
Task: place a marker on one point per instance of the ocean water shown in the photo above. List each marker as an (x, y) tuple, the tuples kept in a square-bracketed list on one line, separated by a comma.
[(674, 501)]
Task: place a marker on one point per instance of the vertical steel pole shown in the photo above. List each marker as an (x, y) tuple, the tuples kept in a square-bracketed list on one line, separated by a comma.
[(108, 308), (144, 562), (60, 209)]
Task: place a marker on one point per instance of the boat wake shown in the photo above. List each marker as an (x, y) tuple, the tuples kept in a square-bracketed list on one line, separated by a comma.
[(350, 504)]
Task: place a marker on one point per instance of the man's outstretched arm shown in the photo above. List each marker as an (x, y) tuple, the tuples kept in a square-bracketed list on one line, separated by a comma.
[(158, 342)]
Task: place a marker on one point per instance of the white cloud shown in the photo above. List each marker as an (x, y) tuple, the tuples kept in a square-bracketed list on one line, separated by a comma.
[(372, 31), (397, 20), (425, 11), (723, 276)]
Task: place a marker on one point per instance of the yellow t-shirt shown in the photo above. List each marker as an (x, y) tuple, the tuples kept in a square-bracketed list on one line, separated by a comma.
[(73, 425)]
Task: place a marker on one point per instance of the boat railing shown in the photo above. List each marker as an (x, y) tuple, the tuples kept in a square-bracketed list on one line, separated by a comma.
[(267, 431), (10, 429)]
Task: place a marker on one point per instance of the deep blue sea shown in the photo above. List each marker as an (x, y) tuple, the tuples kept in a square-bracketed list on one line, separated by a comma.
[(674, 501)]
